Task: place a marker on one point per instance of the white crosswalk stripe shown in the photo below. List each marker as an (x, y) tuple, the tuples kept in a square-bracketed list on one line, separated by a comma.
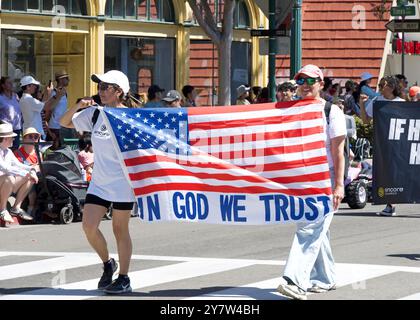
[(177, 269)]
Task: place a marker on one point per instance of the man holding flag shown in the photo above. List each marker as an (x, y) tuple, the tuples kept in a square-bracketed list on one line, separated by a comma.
[(310, 266)]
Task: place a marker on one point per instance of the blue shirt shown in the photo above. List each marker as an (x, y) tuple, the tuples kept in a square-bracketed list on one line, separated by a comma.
[(154, 104), (59, 110), (10, 111), (369, 92)]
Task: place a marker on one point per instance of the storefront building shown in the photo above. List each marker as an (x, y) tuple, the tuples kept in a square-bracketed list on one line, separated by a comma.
[(152, 41)]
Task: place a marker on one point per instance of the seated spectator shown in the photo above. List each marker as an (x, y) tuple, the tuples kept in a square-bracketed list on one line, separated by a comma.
[(15, 177), (85, 155), (26, 154), (173, 99)]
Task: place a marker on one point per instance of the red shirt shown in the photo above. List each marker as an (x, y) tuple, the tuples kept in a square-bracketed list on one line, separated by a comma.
[(23, 157)]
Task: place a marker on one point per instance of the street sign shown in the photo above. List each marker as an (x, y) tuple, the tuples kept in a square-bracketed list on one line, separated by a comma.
[(269, 33), (401, 3), (403, 11), (398, 25)]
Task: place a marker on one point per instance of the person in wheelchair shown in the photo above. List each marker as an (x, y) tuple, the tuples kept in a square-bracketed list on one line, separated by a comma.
[(15, 177)]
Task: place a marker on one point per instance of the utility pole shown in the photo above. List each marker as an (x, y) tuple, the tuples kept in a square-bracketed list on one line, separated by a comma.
[(296, 39), (272, 49)]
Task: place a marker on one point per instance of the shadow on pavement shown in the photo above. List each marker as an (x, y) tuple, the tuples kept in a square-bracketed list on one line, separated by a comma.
[(208, 292), (409, 256)]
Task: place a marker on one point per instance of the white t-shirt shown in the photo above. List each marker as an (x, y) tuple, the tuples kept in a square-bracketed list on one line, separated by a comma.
[(335, 128), (369, 105), (59, 110), (31, 111), (108, 179)]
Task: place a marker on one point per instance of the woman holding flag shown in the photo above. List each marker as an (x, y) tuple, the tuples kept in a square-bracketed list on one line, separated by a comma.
[(108, 185)]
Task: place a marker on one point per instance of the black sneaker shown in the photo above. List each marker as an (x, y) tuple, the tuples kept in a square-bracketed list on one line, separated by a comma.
[(109, 269), (120, 285)]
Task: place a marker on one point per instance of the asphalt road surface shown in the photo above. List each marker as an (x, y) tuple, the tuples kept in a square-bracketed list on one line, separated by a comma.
[(377, 258)]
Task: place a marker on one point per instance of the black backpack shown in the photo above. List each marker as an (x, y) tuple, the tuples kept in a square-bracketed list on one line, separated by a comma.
[(327, 110)]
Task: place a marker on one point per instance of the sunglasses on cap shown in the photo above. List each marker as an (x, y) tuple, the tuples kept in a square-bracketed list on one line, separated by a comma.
[(309, 81)]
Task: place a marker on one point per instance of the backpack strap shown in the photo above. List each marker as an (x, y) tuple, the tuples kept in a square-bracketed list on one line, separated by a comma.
[(327, 110), (95, 117), (20, 153)]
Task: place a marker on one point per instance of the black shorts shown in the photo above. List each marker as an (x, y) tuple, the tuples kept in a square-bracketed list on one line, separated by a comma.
[(92, 199)]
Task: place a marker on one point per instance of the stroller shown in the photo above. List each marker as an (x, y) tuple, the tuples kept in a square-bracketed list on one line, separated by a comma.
[(358, 184), (61, 190)]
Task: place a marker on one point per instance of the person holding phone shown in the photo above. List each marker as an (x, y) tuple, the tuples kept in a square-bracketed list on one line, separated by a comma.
[(31, 107), (59, 106)]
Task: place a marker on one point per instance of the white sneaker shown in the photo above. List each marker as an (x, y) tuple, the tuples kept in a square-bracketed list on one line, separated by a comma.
[(21, 213), (292, 291), (5, 216), (389, 211), (318, 289)]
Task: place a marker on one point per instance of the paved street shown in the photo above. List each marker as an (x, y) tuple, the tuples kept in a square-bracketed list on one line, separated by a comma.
[(377, 258)]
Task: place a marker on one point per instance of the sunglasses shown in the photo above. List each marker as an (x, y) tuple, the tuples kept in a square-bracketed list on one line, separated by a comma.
[(32, 136), (105, 86), (309, 81)]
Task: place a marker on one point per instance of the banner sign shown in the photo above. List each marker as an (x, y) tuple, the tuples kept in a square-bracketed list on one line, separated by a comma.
[(396, 152), (251, 165)]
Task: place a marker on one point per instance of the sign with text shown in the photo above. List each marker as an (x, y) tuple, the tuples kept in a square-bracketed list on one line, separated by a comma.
[(396, 153), (254, 165), (412, 25), (403, 11)]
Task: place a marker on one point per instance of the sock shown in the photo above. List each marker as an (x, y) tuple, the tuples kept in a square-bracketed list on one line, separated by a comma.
[(123, 276), (107, 264)]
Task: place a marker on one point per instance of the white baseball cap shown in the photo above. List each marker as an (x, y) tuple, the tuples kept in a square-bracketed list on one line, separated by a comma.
[(113, 77), (28, 80)]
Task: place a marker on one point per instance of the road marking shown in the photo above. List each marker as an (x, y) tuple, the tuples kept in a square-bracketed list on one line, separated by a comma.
[(183, 268), (266, 290), (139, 279), (415, 296), (44, 266)]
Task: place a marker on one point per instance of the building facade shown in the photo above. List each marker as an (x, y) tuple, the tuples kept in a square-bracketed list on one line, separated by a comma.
[(152, 41)]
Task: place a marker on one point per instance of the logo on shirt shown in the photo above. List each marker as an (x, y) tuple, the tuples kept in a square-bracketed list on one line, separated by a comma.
[(102, 133)]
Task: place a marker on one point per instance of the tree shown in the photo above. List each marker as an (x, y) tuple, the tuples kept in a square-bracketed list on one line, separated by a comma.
[(222, 38)]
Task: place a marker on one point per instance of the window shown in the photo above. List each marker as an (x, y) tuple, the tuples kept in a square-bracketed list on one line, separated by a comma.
[(152, 10), (145, 61), (240, 15), (72, 7)]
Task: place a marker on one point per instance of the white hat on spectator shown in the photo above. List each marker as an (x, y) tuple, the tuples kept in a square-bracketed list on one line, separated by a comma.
[(113, 77), (26, 80), (6, 130), (241, 90)]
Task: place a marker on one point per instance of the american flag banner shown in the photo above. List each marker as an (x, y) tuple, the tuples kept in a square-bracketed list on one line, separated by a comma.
[(252, 165)]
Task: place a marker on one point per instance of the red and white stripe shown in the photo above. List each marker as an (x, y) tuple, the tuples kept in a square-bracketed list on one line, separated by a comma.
[(248, 149)]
